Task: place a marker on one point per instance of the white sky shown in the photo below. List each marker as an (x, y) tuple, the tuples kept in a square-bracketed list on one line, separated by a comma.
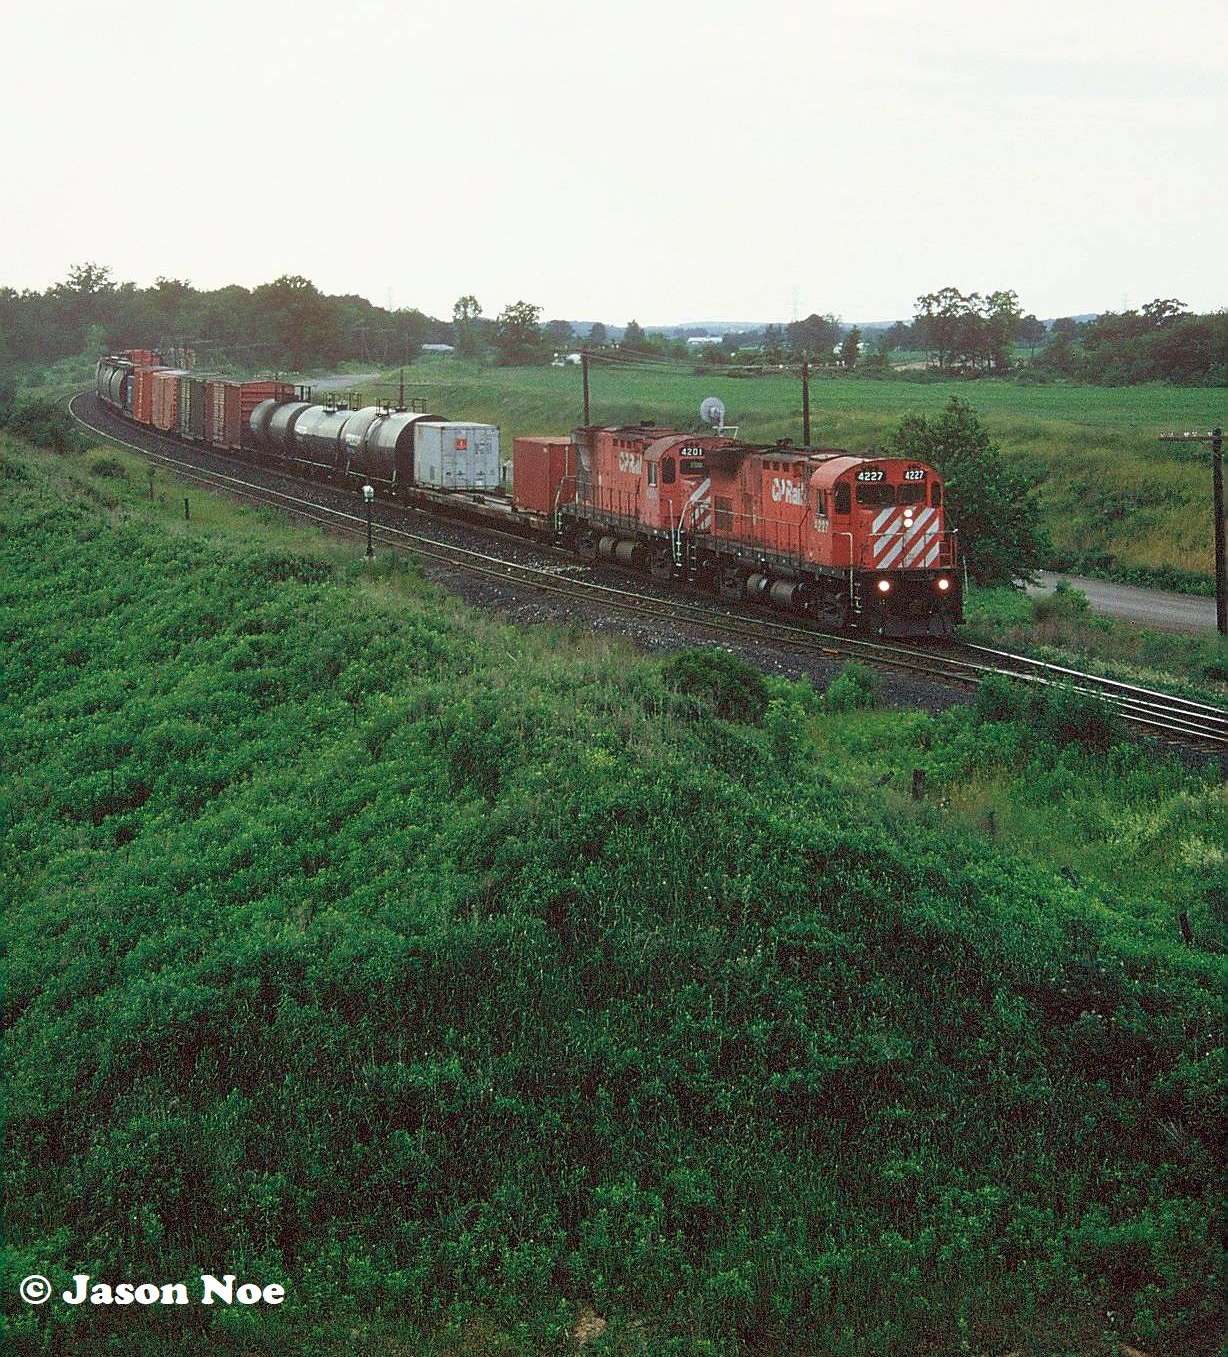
[(668, 160)]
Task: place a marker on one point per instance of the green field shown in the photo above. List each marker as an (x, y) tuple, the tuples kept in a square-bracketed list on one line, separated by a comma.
[(1113, 497), (477, 983)]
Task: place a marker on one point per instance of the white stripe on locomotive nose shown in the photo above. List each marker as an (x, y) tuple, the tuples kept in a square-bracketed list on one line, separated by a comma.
[(885, 538), (905, 540), (915, 548), (933, 556), (877, 525)]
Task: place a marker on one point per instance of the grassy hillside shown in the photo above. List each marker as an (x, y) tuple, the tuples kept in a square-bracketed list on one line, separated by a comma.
[(467, 980), (1113, 497)]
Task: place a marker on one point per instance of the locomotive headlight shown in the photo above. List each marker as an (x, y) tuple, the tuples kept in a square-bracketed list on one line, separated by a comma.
[(884, 586), (944, 584)]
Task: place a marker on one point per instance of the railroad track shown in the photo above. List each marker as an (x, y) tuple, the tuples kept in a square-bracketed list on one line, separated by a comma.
[(1174, 717)]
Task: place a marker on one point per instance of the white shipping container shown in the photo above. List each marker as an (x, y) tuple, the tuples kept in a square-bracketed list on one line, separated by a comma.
[(450, 455)]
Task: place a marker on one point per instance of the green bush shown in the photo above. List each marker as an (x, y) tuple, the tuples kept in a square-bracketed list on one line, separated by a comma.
[(1065, 603), (46, 425), (855, 688), (732, 688)]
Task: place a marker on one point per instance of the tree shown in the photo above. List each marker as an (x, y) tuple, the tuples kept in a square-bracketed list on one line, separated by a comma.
[(814, 337), (899, 336), (598, 334), (466, 312), (518, 334), (993, 507), (850, 349), (1000, 319), (1031, 332), (301, 320), (633, 335), (561, 334)]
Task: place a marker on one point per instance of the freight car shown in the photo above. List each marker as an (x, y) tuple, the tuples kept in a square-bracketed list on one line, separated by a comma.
[(853, 542)]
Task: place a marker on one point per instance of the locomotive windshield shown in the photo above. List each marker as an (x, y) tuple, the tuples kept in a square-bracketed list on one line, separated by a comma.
[(875, 492)]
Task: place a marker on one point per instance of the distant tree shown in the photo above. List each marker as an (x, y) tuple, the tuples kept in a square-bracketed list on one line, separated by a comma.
[(850, 349), (86, 280), (301, 321), (814, 337), (1031, 332), (1000, 316), (598, 334), (993, 507), (899, 336), (773, 343), (560, 334), (633, 335), (465, 315), (518, 336)]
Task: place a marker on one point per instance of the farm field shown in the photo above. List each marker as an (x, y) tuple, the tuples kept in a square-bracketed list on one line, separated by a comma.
[(1113, 498), (488, 986)]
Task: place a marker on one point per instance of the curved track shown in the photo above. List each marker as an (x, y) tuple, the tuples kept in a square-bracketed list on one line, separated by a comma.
[(1176, 718)]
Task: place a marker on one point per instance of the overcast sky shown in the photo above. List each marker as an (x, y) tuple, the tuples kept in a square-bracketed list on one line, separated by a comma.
[(667, 160)]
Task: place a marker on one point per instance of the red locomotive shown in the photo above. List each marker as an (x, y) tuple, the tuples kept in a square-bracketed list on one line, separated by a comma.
[(851, 541)]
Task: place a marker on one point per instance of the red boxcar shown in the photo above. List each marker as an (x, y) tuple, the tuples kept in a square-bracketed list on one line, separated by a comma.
[(142, 394), (166, 398), (543, 473)]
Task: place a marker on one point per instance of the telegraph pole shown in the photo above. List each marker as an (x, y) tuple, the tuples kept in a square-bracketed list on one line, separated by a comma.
[(1216, 439), (805, 404), (584, 374)]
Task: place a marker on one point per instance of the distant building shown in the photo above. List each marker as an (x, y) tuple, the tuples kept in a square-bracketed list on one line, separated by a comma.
[(438, 348), (562, 360), (702, 341)]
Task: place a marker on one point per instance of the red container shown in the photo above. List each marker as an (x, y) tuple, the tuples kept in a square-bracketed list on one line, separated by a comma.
[(143, 357), (543, 473)]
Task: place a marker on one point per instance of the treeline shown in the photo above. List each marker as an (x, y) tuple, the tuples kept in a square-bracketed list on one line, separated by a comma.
[(288, 323), (1161, 343), (291, 325)]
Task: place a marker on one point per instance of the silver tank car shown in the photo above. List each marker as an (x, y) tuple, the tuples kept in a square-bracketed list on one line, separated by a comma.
[(353, 441), (281, 426), (317, 437), (388, 446), (258, 421)]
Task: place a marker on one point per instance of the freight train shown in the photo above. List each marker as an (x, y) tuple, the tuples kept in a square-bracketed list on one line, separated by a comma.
[(854, 542)]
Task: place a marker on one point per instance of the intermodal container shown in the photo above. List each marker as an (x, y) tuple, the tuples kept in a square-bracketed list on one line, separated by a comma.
[(543, 473)]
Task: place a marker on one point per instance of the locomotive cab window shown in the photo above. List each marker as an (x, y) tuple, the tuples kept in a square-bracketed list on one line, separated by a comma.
[(692, 466), (912, 494), (935, 494), (844, 500), (875, 492), (668, 473)]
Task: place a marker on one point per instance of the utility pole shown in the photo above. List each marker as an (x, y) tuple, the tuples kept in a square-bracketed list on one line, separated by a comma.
[(805, 403), (1216, 439), (584, 373)]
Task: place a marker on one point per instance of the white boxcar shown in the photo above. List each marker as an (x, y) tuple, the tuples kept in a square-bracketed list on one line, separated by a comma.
[(451, 455)]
